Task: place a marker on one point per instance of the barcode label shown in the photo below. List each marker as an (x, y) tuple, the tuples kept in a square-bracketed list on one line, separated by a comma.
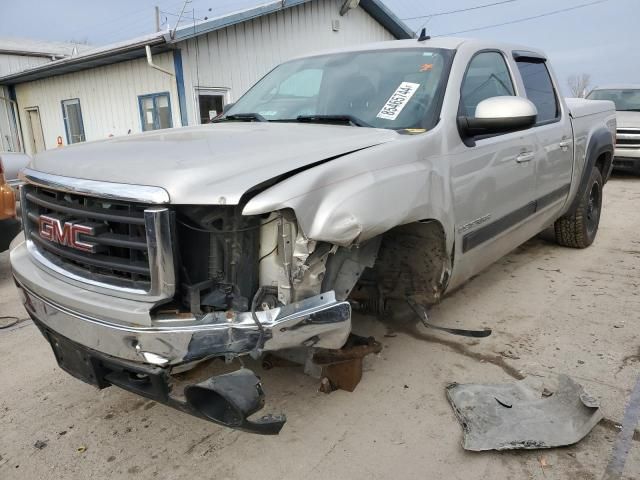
[(398, 100)]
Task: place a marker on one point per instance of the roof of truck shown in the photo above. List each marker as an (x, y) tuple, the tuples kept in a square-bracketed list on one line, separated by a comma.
[(447, 43)]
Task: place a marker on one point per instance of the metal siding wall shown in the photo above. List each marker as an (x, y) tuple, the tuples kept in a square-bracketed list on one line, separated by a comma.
[(236, 57), (108, 98), (16, 63)]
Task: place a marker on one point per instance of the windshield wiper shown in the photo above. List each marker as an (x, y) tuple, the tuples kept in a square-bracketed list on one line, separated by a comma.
[(350, 119), (244, 117)]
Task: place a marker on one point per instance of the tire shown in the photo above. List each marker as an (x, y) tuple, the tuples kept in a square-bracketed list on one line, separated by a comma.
[(578, 229)]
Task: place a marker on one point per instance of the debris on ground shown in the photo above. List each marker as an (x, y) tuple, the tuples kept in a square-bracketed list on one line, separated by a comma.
[(40, 444), (8, 321), (421, 313), (343, 368), (515, 416)]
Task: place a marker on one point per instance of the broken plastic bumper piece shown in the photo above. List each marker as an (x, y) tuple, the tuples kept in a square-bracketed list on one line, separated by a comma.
[(227, 399), (515, 416)]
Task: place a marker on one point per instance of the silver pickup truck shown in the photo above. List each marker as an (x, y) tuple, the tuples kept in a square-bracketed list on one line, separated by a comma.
[(383, 173), (627, 101)]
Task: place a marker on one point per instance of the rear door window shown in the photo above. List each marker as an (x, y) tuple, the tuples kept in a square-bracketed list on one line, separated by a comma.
[(539, 89)]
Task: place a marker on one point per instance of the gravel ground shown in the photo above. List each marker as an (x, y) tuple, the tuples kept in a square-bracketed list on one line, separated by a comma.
[(553, 310)]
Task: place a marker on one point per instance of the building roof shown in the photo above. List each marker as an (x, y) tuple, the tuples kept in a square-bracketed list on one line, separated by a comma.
[(375, 8), (95, 57), (162, 41), (38, 48)]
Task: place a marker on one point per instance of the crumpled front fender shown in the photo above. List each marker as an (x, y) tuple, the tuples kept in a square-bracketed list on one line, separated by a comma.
[(363, 194)]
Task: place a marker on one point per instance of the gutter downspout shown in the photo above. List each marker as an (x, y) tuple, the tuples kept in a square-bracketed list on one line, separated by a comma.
[(147, 49)]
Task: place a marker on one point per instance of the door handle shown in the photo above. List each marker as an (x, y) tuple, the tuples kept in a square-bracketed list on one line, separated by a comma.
[(525, 157), (564, 145)]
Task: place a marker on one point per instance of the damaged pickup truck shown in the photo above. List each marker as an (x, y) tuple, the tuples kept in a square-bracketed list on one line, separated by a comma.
[(403, 167)]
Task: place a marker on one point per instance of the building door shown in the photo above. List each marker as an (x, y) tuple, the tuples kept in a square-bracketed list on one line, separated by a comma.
[(35, 128), (73, 125), (210, 102), (155, 111)]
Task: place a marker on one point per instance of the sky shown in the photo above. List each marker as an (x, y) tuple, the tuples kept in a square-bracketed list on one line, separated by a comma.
[(599, 39)]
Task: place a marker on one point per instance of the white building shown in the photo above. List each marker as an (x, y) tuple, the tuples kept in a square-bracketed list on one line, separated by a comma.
[(17, 55), (194, 71)]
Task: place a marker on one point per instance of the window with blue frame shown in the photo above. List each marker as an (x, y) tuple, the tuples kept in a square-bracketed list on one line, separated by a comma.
[(73, 124), (155, 111)]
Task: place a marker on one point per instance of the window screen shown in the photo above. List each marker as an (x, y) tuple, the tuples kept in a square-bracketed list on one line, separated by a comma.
[(539, 89), (486, 77), (72, 115), (155, 111)]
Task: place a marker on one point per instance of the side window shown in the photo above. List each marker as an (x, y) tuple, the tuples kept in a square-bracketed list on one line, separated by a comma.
[(155, 111), (72, 115), (487, 76), (539, 89)]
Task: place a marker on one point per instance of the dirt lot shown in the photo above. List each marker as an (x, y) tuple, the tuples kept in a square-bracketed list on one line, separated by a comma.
[(553, 310)]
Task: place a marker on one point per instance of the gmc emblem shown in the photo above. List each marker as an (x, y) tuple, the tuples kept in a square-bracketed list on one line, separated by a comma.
[(66, 233)]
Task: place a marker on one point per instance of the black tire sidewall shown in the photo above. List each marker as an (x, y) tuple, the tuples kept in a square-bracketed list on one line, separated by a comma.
[(594, 179)]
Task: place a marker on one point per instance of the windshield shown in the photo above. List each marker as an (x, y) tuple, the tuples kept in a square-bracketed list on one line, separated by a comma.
[(627, 100), (395, 89)]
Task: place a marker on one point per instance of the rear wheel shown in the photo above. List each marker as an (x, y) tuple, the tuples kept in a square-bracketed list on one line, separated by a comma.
[(578, 229)]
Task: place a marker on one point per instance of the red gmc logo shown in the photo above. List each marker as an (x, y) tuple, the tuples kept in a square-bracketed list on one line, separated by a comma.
[(66, 233)]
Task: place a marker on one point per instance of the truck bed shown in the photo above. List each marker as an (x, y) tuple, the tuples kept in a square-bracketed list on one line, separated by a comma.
[(580, 107)]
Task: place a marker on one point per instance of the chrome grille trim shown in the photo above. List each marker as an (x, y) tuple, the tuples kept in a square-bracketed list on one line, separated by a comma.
[(92, 188), (628, 137), (156, 221)]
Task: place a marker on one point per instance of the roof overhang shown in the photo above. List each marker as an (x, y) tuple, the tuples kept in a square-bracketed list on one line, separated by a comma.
[(28, 53), (387, 19), (91, 59), (375, 8)]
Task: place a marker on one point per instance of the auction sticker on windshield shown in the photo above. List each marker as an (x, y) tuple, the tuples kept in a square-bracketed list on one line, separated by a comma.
[(398, 100)]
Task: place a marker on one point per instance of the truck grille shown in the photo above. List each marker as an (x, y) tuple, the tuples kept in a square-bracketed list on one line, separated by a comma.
[(102, 241), (628, 138)]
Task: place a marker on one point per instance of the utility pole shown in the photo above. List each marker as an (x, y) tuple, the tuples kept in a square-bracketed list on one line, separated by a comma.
[(157, 18)]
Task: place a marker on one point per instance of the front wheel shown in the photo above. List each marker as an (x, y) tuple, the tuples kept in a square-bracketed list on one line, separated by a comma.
[(578, 229)]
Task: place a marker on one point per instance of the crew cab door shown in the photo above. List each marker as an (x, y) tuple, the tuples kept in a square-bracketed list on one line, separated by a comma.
[(493, 179), (553, 134)]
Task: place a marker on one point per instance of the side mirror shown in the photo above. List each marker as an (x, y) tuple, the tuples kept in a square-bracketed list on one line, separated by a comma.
[(226, 108), (499, 115)]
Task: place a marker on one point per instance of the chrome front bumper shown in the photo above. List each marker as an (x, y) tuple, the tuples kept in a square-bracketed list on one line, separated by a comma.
[(167, 340)]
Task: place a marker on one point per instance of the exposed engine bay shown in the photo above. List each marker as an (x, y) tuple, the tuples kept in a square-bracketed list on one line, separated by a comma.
[(249, 263)]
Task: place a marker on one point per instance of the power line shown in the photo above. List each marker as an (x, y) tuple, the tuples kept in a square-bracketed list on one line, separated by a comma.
[(450, 12), (519, 20), (91, 27), (186, 19)]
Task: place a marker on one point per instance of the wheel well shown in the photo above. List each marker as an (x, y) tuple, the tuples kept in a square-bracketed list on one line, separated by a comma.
[(413, 261), (603, 163)]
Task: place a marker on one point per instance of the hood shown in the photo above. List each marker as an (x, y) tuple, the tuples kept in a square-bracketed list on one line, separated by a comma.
[(628, 119), (200, 165)]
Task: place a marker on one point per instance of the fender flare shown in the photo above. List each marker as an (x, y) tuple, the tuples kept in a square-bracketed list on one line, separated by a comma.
[(599, 144)]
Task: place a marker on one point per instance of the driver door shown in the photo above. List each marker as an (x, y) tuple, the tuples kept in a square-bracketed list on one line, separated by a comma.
[(493, 177)]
